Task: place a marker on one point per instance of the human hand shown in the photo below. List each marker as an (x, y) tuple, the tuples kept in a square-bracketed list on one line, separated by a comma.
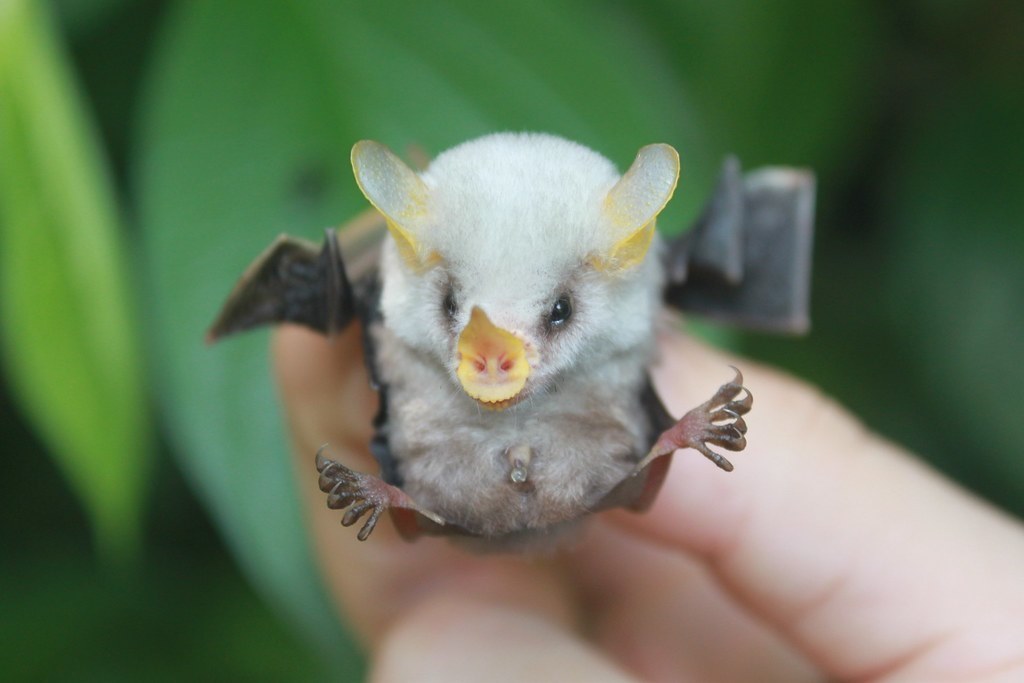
[(828, 553)]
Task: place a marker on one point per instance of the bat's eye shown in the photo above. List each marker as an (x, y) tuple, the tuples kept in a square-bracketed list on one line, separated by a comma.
[(451, 307), (561, 311)]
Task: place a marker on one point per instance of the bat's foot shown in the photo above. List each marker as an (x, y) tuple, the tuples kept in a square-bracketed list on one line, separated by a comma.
[(718, 421), (363, 492)]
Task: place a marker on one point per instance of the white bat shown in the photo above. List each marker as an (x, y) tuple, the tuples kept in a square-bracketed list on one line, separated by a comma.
[(510, 328)]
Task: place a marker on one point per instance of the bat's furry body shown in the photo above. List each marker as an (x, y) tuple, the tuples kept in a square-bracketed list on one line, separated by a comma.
[(585, 437), (514, 222), (513, 328)]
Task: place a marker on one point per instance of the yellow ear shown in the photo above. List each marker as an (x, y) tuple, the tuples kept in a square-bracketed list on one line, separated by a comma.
[(397, 192), (633, 204)]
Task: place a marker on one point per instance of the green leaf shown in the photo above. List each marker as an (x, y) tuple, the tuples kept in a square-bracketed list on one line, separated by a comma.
[(81, 16), (69, 340), (955, 284), (785, 82)]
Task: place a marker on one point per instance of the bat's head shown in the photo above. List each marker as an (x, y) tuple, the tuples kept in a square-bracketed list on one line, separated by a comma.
[(516, 259)]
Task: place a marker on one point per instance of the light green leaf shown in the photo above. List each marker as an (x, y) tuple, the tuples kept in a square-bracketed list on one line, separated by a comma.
[(69, 336)]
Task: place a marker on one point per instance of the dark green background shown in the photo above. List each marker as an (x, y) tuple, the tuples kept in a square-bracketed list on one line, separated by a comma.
[(228, 122)]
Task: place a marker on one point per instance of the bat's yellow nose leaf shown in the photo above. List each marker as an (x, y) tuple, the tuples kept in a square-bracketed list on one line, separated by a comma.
[(492, 362)]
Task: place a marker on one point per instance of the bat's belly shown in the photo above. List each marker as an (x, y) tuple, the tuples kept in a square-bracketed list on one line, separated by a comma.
[(501, 474)]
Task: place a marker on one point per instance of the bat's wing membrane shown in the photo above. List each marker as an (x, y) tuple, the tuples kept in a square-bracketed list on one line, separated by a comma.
[(747, 260), (291, 281)]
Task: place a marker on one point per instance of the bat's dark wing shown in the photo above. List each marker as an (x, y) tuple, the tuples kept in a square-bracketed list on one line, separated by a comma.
[(291, 281), (747, 260)]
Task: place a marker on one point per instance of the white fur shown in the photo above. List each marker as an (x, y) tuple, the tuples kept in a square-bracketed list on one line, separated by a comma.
[(513, 217), (515, 220)]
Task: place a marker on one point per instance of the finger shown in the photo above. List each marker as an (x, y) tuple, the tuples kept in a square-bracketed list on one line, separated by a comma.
[(458, 639), (659, 614), (865, 559), (327, 398)]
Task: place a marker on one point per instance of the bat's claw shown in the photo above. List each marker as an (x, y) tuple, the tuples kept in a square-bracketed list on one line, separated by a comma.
[(361, 493), (718, 422)]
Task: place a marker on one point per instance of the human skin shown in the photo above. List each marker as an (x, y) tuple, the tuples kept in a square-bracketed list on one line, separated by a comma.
[(828, 553)]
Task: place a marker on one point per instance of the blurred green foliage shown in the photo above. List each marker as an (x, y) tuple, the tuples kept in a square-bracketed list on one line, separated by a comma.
[(71, 340), (226, 123)]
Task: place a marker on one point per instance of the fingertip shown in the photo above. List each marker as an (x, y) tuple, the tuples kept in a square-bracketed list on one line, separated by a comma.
[(455, 638), (796, 438)]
